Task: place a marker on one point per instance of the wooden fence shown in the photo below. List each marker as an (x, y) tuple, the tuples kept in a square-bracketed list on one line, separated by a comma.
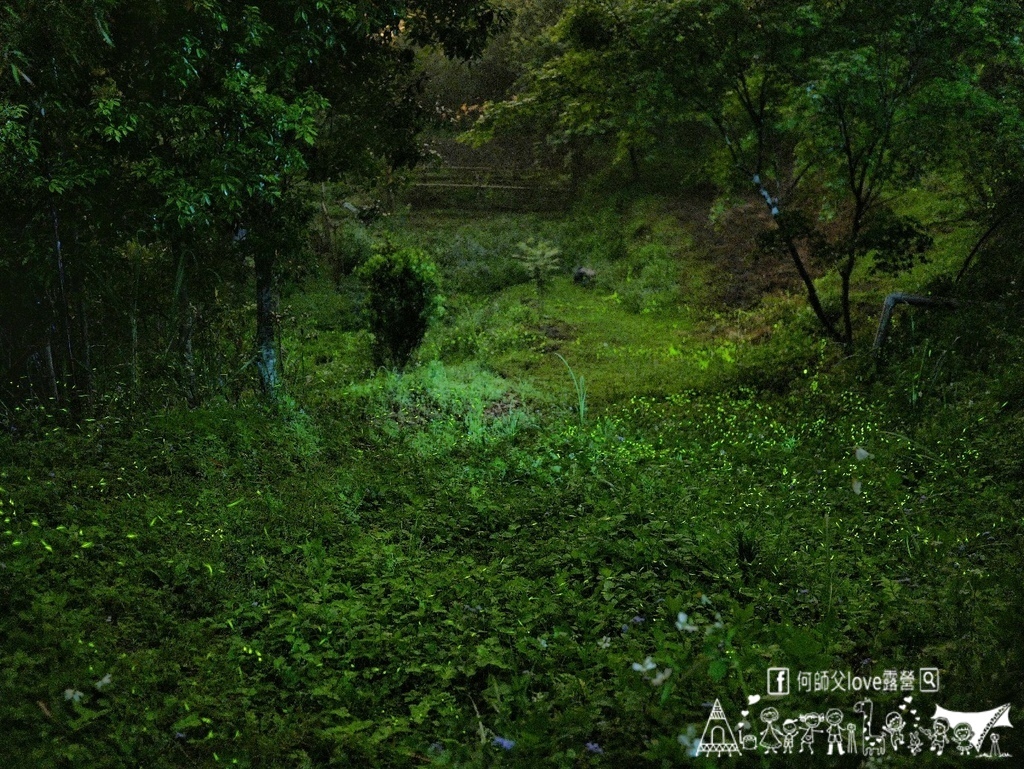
[(487, 188)]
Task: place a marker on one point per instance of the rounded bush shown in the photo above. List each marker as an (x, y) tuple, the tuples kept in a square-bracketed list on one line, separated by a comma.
[(402, 297)]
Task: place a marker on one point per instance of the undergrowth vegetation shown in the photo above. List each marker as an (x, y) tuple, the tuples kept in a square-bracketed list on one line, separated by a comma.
[(578, 518)]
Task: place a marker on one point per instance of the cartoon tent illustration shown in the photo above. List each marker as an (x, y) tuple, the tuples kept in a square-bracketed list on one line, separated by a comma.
[(718, 737), (981, 722)]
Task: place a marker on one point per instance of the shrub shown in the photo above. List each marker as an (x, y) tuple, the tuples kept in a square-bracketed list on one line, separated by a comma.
[(539, 259), (402, 297), (652, 280), (351, 246)]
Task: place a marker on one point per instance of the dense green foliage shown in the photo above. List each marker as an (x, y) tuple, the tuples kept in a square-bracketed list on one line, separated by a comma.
[(204, 119), (423, 563), (822, 110), (402, 297), (552, 524)]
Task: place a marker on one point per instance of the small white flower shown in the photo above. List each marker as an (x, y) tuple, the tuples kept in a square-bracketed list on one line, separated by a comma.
[(73, 694), (861, 454), (683, 623), (704, 600), (643, 667), (662, 677), (105, 681), (605, 642), (857, 486), (719, 625), (543, 643), (690, 741)]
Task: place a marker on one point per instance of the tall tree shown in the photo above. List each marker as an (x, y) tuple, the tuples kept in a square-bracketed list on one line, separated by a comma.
[(55, 171), (198, 119), (825, 109)]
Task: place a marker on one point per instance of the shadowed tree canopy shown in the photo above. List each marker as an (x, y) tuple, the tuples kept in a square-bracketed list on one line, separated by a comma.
[(825, 110), (188, 123)]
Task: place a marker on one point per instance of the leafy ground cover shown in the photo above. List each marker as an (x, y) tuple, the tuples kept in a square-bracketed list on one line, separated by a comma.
[(489, 561)]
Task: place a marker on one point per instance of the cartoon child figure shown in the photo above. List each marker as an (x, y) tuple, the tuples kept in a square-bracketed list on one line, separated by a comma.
[(789, 728), (834, 719), (771, 737), (894, 726), (914, 743), (962, 735), (811, 722), (938, 735)]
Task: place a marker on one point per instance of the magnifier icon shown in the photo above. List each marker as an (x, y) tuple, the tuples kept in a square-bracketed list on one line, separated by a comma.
[(929, 679)]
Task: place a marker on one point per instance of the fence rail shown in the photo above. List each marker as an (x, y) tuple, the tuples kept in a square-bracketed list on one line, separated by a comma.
[(487, 188)]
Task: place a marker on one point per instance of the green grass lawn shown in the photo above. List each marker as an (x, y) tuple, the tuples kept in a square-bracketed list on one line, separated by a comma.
[(399, 570)]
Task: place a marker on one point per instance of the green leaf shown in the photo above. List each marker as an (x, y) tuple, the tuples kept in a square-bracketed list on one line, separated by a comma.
[(190, 721), (104, 32), (717, 670)]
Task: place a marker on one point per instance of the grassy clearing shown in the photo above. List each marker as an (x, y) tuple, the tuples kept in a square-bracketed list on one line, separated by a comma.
[(399, 569)]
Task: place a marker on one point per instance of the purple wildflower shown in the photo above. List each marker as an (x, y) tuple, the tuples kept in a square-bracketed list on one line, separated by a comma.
[(503, 743), (593, 747)]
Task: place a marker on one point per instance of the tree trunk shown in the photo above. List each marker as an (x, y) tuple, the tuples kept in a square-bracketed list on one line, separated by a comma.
[(183, 327), (845, 273), (995, 225), (70, 384), (812, 292), (189, 357), (798, 262), (51, 371), (86, 369), (135, 375), (267, 362)]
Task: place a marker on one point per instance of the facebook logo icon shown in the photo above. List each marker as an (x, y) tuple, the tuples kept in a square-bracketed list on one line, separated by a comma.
[(778, 681)]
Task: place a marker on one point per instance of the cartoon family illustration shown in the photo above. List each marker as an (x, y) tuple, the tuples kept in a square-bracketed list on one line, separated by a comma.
[(901, 729)]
